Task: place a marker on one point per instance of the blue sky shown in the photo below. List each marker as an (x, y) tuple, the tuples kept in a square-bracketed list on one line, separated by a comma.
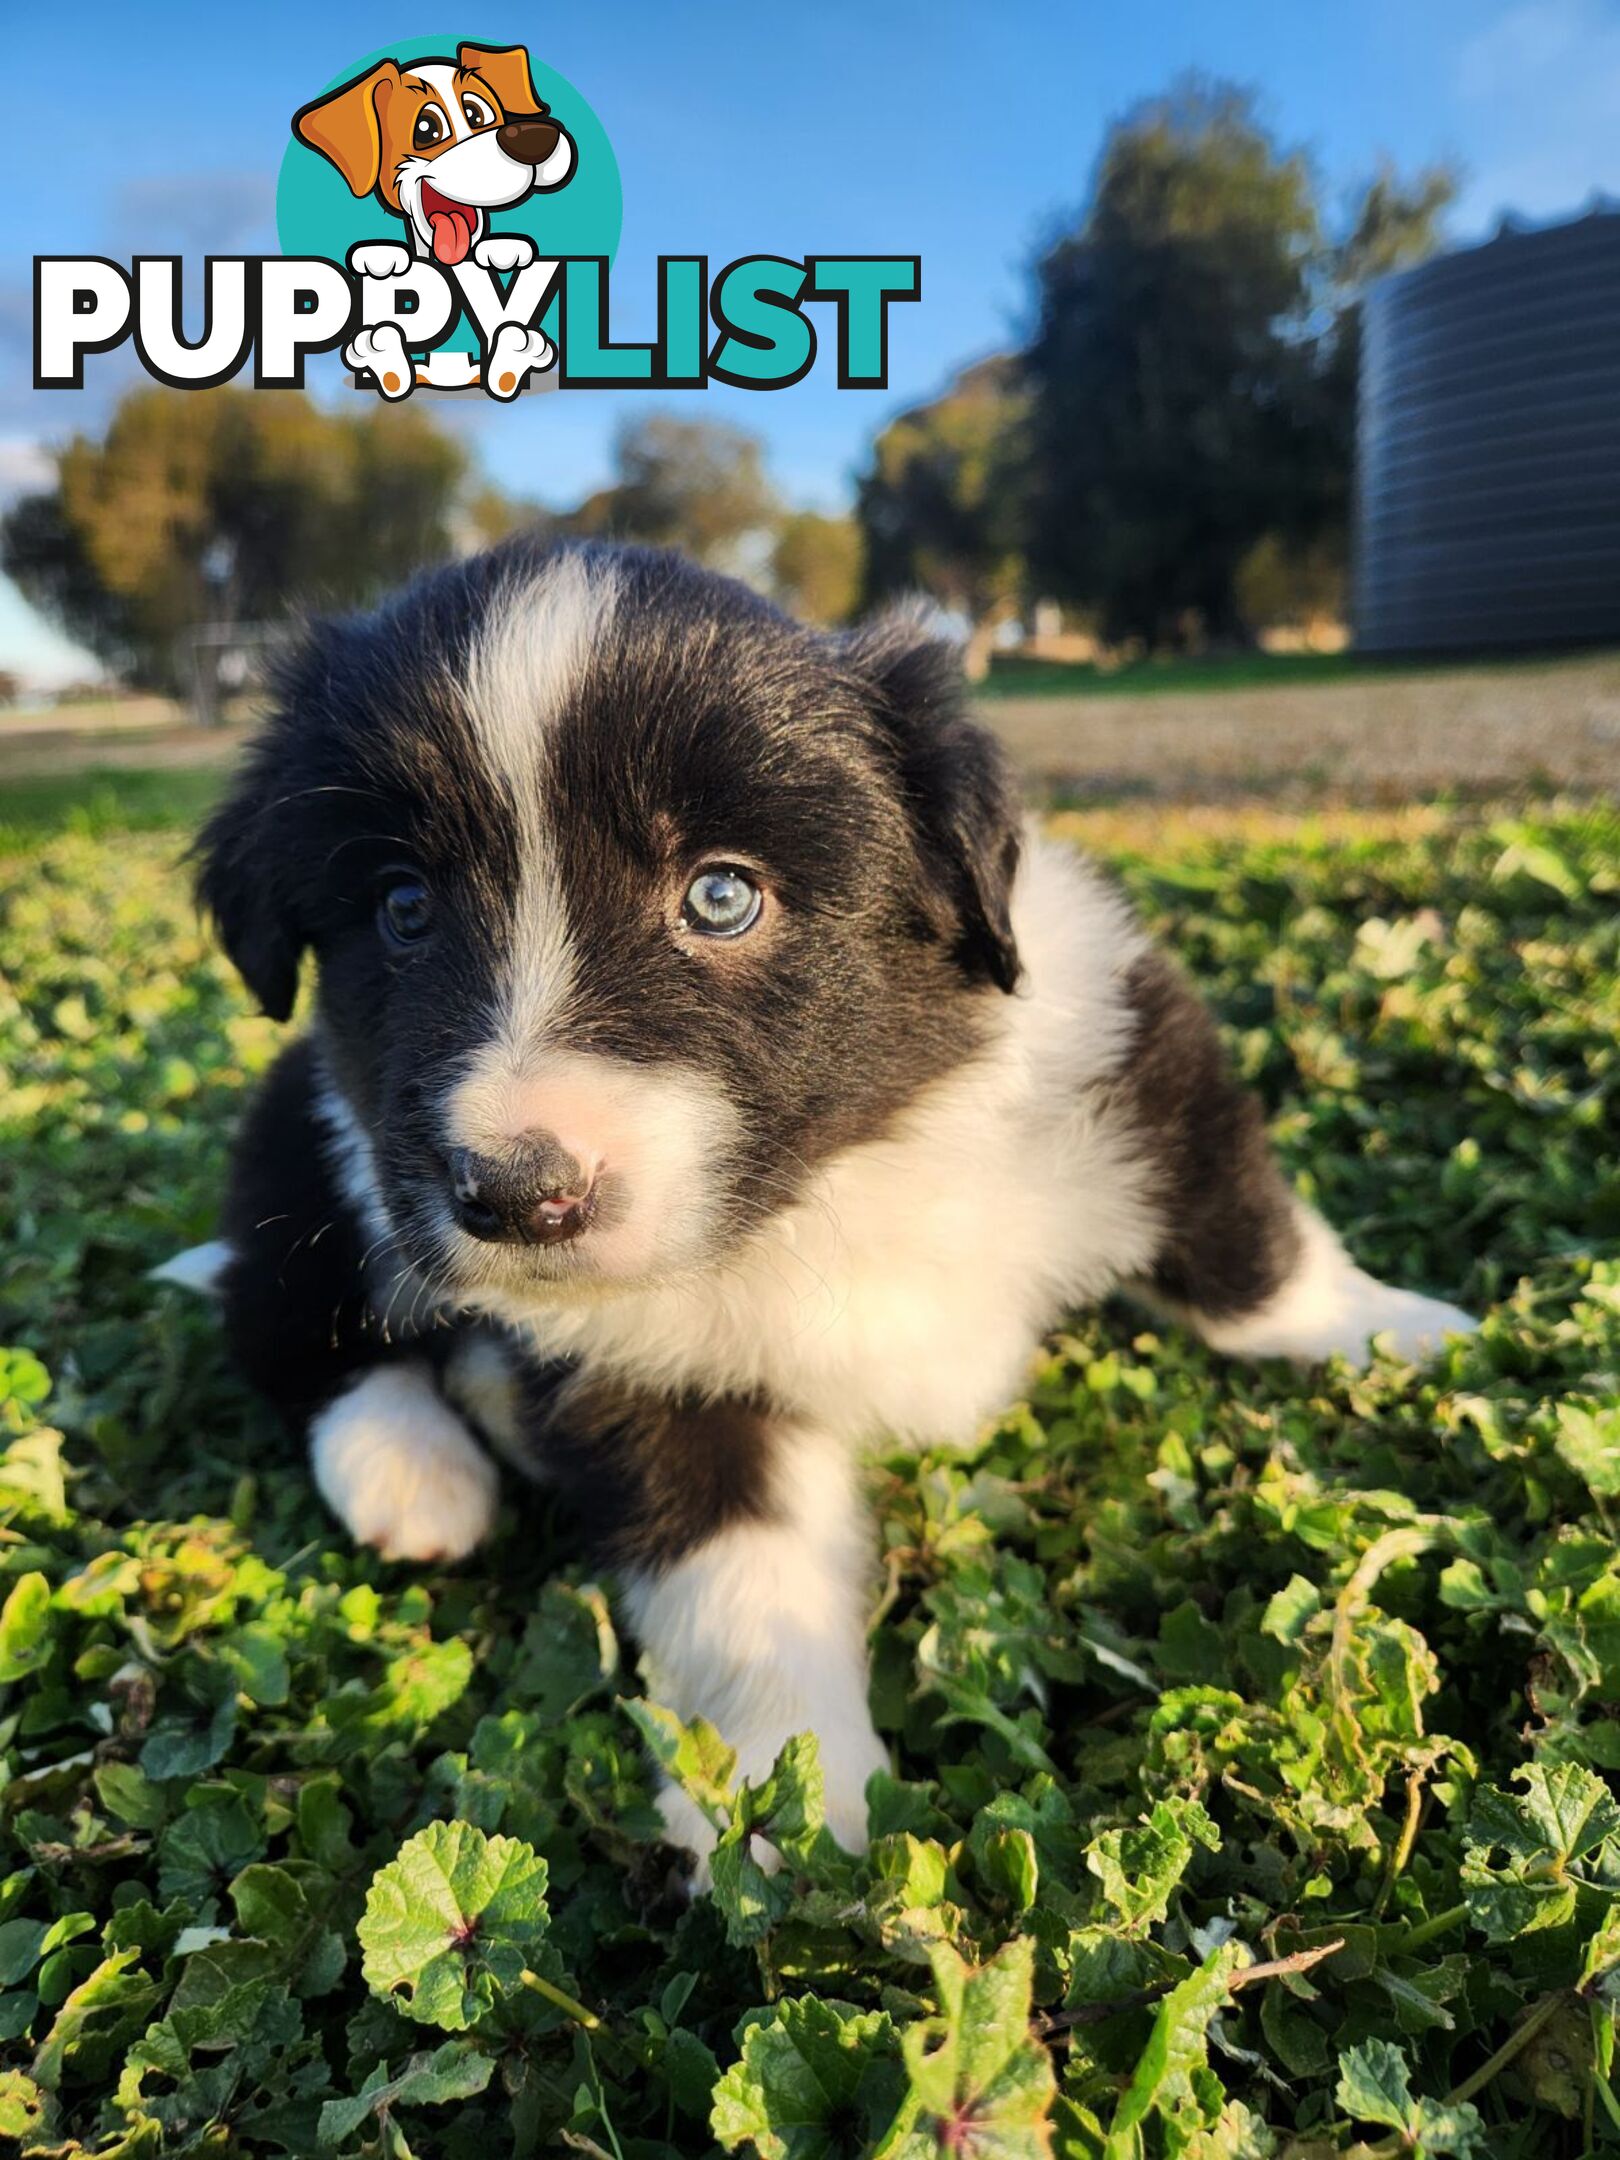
[(956, 132)]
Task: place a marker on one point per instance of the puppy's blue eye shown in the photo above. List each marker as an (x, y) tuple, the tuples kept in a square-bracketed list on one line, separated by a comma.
[(405, 912), (722, 903)]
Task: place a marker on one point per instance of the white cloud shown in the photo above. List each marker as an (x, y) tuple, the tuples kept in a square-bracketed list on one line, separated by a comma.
[(1543, 79), (26, 467)]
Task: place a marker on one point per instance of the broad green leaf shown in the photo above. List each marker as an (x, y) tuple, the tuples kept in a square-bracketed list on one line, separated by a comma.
[(25, 1621), (1374, 2086), (1589, 1441), (815, 2080), (287, 1906), (452, 1923), (1526, 1855), (1166, 2080), (978, 2082), (692, 1756), (1140, 1867), (112, 1992), (206, 1846), (453, 2071), (1290, 1610), (22, 2104), (130, 1796)]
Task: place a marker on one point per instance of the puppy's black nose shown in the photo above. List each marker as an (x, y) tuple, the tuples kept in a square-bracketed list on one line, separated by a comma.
[(531, 142), (532, 1193)]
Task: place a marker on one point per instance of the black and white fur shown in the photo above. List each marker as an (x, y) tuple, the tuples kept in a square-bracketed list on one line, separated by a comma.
[(847, 1169)]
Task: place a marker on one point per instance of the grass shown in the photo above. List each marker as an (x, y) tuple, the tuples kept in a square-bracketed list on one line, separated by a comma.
[(1165, 675), (105, 801), (1254, 1733)]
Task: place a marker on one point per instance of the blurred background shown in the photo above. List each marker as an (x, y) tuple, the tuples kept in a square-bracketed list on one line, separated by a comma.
[(1258, 429)]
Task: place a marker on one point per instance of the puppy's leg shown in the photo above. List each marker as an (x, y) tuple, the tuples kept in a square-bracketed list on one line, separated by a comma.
[(390, 1456), (400, 1470), (1325, 1304), (759, 1628), (1241, 1258), (746, 1557)]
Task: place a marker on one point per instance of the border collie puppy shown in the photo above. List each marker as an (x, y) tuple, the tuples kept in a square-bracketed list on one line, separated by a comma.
[(709, 1074)]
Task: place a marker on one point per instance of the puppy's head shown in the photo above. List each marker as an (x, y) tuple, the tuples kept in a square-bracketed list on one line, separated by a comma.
[(633, 902), (442, 142)]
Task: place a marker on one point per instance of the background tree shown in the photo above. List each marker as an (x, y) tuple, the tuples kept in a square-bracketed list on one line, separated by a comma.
[(816, 564), (941, 507), (1169, 369), (306, 507), (691, 484)]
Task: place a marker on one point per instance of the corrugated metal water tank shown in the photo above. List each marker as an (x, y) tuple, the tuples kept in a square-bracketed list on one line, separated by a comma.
[(1488, 481)]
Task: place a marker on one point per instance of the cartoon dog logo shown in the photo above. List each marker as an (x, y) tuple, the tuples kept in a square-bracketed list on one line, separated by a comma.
[(442, 143)]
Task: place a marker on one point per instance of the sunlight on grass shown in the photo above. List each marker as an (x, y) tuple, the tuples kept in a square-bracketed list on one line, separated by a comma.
[(1251, 1731)]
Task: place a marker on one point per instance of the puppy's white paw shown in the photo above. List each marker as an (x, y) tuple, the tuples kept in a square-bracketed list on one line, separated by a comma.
[(514, 354), (848, 1759), (1329, 1307), (846, 1767), (690, 1831), (505, 251), (381, 354), (1342, 1322), (400, 1470), (1416, 1325), (379, 259)]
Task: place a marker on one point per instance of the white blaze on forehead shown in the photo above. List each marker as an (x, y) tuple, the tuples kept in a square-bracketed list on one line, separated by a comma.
[(440, 76), (534, 646)]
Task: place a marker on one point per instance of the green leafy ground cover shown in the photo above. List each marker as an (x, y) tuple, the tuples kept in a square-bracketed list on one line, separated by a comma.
[(1254, 1735)]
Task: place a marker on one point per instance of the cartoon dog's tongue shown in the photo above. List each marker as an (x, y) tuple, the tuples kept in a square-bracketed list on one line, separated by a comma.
[(452, 225)]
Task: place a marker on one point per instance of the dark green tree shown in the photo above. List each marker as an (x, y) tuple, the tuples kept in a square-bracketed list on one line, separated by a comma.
[(1192, 372), (696, 485), (304, 506), (1170, 369), (941, 505)]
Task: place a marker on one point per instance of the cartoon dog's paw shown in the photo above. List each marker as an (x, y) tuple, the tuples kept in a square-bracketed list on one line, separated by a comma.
[(505, 251), (515, 352), (397, 1466), (379, 259), (380, 353)]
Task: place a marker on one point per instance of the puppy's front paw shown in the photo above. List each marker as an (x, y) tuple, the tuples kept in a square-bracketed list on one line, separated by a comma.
[(1415, 1325), (1341, 1318), (848, 1759), (505, 251), (400, 1470), (689, 1830)]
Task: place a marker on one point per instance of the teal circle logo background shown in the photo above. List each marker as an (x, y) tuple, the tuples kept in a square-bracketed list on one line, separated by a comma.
[(316, 214)]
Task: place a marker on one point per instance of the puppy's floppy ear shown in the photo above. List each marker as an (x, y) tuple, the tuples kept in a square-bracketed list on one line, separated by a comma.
[(238, 885), (506, 70), (958, 788), (345, 126)]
